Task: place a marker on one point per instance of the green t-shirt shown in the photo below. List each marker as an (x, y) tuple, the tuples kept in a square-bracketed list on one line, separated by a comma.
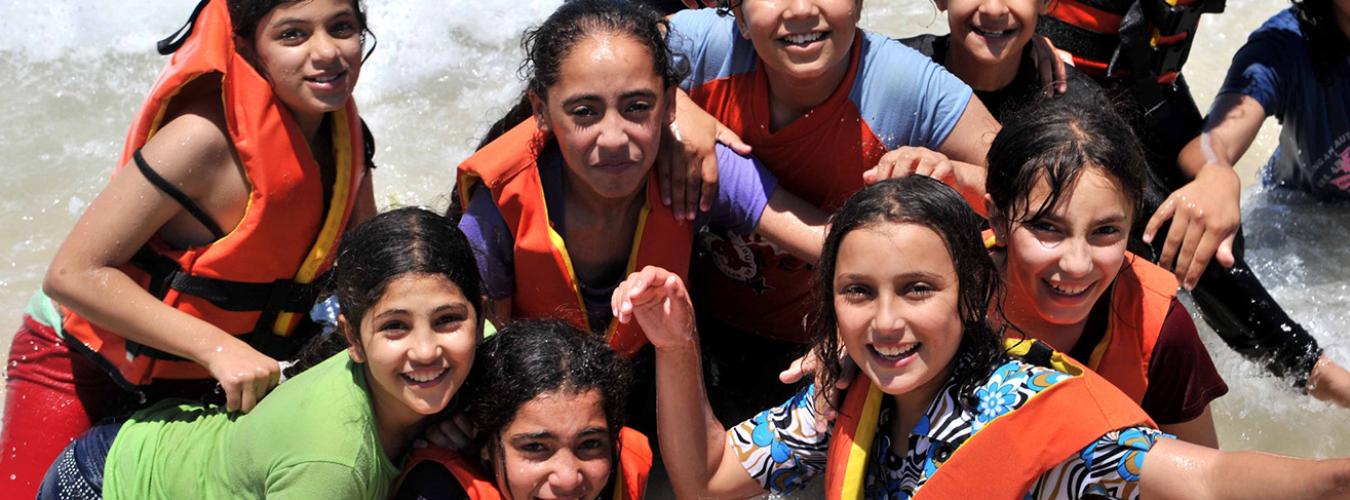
[(312, 437)]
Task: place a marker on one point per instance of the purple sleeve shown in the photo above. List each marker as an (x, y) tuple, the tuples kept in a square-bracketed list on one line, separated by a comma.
[(492, 243), (743, 189), (1259, 68), (1182, 379)]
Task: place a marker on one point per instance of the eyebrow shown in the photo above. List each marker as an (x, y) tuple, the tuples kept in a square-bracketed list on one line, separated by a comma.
[(912, 275), (346, 11), (532, 436), (596, 97), (1116, 217)]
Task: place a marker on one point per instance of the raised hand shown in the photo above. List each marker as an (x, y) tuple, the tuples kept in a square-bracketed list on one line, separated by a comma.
[(659, 302)]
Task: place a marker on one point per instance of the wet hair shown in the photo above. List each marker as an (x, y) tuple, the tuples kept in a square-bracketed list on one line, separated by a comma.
[(246, 14), (528, 358), (1056, 141), (1327, 45), (932, 204), (547, 45)]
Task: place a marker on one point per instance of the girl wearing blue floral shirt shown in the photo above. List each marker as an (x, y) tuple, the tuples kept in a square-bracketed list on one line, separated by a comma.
[(942, 406)]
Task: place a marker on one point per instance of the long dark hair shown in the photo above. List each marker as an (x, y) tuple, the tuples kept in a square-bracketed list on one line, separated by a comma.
[(1327, 45), (246, 14), (1056, 141), (528, 358), (932, 204), (548, 44), (403, 241)]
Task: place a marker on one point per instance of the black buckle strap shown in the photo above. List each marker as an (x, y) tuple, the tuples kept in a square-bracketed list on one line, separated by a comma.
[(172, 43), (1171, 20), (1039, 353)]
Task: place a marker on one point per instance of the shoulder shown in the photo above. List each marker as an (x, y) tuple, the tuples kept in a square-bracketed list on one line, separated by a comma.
[(905, 97), (1010, 387), (710, 44), (1279, 39), (193, 142)]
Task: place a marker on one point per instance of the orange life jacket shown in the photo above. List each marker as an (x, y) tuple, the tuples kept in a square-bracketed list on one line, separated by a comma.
[(1007, 456), (1109, 38), (546, 285), (257, 280), (1140, 300), (635, 463)]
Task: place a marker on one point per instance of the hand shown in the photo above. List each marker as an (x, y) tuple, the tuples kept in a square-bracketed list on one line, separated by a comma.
[(1330, 382), (658, 300), (454, 434), (245, 375), (827, 401), (1046, 59), (909, 160), (1205, 218), (687, 164)]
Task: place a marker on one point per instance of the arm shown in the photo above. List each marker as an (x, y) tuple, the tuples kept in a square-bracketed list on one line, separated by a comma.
[(1205, 213), (687, 164), (365, 202), (693, 442), (1177, 469), (794, 225), (1199, 430), (967, 146), (191, 151)]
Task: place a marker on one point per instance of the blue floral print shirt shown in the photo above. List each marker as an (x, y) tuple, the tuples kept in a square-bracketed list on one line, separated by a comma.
[(781, 449)]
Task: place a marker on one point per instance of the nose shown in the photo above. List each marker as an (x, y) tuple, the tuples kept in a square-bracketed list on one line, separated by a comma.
[(567, 479), (324, 48), (889, 317), (799, 9), (1076, 259), (613, 137), (424, 348), (994, 7)]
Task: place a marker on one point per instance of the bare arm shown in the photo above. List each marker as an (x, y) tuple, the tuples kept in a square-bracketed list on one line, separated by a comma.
[(967, 147), (1177, 469), (1199, 430), (1205, 213), (188, 152), (793, 224), (365, 203), (693, 442)]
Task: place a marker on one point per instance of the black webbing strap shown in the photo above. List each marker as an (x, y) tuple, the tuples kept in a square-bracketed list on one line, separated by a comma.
[(368, 140), (1039, 353), (172, 43), (165, 187), (1078, 41)]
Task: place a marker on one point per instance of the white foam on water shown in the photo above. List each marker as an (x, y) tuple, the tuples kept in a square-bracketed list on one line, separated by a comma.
[(75, 70)]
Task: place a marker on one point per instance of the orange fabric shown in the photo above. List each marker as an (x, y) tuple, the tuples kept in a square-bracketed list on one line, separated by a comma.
[(635, 463), (1007, 456), (276, 239), (546, 285), (1140, 301), (1086, 16)]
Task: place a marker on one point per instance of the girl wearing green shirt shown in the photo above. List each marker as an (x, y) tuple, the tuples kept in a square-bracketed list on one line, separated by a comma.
[(411, 317)]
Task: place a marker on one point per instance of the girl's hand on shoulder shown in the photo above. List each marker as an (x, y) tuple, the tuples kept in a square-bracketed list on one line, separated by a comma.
[(659, 302), (1045, 57), (909, 160), (455, 434), (245, 375), (827, 399), (687, 164)]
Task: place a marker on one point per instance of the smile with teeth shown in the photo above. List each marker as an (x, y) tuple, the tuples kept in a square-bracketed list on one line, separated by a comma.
[(804, 38), (1063, 289), (424, 376), (327, 78), (994, 34), (896, 352)]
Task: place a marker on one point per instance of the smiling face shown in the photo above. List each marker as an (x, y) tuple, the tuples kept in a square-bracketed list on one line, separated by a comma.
[(895, 300), (558, 446), (801, 39), (417, 344), (1066, 259), (607, 111), (992, 31), (310, 50)]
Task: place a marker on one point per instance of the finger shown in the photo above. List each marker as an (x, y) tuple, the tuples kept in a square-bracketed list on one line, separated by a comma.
[(693, 186), (924, 166), (847, 372), (1199, 260), (870, 176), (1225, 252), (663, 172), (793, 373), (248, 397), (231, 396), (1175, 235), (709, 185), (1186, 253), (693, 4), (1061, 71), (439, 435), (678, 176), (1160, 217), (1047, 71), (731, 140)]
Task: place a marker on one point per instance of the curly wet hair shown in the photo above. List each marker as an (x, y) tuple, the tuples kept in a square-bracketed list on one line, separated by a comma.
[(932, 204)]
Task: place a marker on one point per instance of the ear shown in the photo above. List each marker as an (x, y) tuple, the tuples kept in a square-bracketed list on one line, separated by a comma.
[(539, 108), (997, 222), (354, 349), (1044, 8), (738, 15)]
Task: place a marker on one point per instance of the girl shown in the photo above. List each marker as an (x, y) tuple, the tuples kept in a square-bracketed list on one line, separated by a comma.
[(942, 409), (548, 402), (411, 317), (1065, 184), (189, 269), (821, 102), (563, 206)]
